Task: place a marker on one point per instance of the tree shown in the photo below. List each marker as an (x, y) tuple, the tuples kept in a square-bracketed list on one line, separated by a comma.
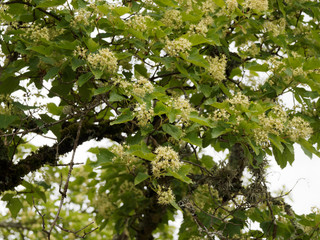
[(161, 81)]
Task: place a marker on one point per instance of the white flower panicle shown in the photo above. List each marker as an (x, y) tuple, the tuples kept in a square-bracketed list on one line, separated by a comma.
[(36, 32), (142, 87), (217, 67), (181, 45), (298, 128), (122, 156), (239, 99), (81, 17), (275, 27), (139, 22), (143, 114), (202, 27), (172, 18), (184, 106), (166, 158), (220, 115), (231, 5), (259, 5), (165, 196), (208, 6), (80, 52), (103, 60)]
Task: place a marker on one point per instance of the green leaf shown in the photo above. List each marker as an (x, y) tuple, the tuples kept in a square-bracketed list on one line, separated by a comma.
[(208, 161), (121, 10), (218, 131), (92, 45), (84, 78), (279, 156), (115, 97), (54, 109), (75, 63), (50, 3), (45, 50), (308, 148), (6, 120), (175, 205), (201, 120), (181, 174), (126, 116), (197, 39), (172, 130), (51, 73), (160, 108), (14, 206), (193, 138), (311, 63), (140, 178), (276, 141), (104, 156)]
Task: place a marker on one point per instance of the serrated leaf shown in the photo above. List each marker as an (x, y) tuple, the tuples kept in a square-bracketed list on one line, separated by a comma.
[(54, 109), (104, 156), (115, 97), (121, 10), (84, 78), (75, 63), (6, 120), (193, 138), (276, 141), (201, 120), (160, 109), (181, 174), (92, 45), (172, 130), (51, 73), (14, 206), (141, 176), (126, 116), (50, 3)]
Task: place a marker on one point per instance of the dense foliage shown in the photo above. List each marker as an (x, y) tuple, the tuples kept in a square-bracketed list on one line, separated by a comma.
[(160, 80)]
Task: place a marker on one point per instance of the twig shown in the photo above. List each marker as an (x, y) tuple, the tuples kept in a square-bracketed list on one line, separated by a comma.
[(66, 186)]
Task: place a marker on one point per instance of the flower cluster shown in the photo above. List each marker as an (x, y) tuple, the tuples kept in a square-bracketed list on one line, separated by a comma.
[(231, 5), (259, 5), (139, 22), (184, 106), (104, 60), (81, 17), (208, 6), (220, 115), (250, 48), (202, 26), (3, 8), (298, 128), (5, 104), (239, 99), (275, 27), (217, 67), (181, 45), (165, 196), (122, 156), (166, 158), (80, 52), (104, 204), (142, 87), (143, 114), (172, 18), (36, 32)]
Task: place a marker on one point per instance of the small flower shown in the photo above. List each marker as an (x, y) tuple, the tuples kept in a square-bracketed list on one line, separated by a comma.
[(217, 67), (142, 87), (138, 22), (81, 17), (165, 196), (231, 5), (104, 60), (80, 51), (298, 128), (166, 158), (172, 18), (259, 5), (181, 45), (143, 114)]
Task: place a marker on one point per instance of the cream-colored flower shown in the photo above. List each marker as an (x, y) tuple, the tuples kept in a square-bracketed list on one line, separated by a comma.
[(217, 67), (165, 196), (139, 22), (181, 45), (202, 26), (82, 16), (231, 5), (104, 60), (172, 18), (80, 52), (142, 87), (143, 114), (166, 158), (260, 5), (298, 128)]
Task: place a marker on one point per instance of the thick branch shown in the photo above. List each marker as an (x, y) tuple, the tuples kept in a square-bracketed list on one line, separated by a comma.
[(11, 174)]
